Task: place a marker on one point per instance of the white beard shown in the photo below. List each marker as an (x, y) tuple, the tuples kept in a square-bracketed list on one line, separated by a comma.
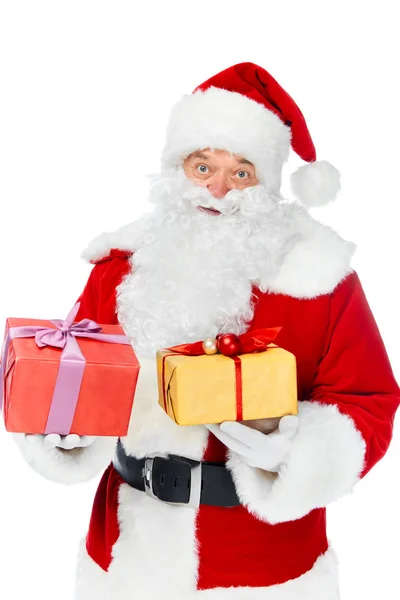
[(192, 272)]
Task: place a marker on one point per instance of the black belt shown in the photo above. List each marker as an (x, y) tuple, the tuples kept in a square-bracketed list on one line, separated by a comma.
[(178, 480)]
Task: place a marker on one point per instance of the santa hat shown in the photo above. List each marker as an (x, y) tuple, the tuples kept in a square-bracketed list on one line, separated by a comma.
[(244, 110)]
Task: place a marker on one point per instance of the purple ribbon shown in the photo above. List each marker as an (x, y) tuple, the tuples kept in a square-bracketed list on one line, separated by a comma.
[(72, 362)]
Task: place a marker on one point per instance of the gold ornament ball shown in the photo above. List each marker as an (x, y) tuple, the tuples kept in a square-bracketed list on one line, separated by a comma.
[(210, 346)]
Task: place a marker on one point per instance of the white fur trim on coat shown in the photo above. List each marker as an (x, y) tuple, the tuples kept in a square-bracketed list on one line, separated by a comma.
[(319, 261), (92, 583), (319, 583), (325, 461), (69, 466), (224, 120), (102, 244), (314, 265)]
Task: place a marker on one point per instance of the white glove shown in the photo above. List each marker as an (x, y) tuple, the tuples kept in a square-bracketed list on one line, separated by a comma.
[(66, 442), (264, 451)]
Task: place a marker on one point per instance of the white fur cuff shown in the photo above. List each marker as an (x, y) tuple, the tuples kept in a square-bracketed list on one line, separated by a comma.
[(66, 466), (325, 462)]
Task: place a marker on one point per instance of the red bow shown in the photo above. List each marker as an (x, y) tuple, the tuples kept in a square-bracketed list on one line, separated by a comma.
[(252, 341)]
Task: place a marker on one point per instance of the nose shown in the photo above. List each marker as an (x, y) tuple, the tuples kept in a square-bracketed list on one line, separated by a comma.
[(219, 185)]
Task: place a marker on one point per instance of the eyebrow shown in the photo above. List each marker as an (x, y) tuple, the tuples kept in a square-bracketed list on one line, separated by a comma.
[(198, 154)]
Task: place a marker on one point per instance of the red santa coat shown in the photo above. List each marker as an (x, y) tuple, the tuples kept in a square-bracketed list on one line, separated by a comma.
[(348, 398)]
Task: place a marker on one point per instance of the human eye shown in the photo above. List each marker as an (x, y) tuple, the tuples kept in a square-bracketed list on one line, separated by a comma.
[(243, 174), (203, 169)]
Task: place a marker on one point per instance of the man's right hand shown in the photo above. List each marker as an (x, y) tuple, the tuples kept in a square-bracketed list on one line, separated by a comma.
[(65, 442)]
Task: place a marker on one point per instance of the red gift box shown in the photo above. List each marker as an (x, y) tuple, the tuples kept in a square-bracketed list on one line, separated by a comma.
[(61, 377)]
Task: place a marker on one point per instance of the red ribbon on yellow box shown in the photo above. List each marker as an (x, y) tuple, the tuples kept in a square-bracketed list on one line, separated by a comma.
[(251, 341)]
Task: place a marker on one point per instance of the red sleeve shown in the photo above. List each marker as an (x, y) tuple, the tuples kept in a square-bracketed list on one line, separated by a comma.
[(354, 372), (345, 425), (89, 297), (98, 298)]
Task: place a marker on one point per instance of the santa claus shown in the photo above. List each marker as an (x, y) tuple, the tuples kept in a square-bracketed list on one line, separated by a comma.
[(229, 511)]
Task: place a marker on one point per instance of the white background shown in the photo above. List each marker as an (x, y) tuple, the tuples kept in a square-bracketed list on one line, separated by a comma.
[(86, 90)]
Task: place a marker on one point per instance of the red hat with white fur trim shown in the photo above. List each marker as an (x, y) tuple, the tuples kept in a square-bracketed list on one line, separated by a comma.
[(244, 110)]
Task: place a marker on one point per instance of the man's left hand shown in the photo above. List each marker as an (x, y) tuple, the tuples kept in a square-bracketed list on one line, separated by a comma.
[(264, 451)]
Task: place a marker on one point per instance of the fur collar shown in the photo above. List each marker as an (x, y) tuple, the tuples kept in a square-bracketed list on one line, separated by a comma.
[(313, 266)]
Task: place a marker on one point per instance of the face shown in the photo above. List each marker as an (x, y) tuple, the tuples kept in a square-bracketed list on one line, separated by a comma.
[(220, 172), (193, 268)]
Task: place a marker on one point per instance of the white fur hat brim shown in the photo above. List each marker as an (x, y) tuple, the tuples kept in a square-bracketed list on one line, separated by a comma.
[(224, 120)]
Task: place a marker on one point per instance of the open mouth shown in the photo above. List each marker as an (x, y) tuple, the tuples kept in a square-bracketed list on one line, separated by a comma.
[(212, 211)]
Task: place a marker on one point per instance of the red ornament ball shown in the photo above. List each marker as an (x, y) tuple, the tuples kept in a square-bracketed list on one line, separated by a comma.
[(229, 344)]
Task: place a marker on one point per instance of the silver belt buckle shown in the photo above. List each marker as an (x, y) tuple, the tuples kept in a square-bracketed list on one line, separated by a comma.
[(148, 477), (195, 484)]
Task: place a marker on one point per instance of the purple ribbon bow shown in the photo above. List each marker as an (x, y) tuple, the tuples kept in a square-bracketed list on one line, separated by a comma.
[(72, 362)]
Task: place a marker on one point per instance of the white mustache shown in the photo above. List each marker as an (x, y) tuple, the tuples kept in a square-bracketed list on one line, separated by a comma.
[(182, 194), (226, 206), (235, 200)]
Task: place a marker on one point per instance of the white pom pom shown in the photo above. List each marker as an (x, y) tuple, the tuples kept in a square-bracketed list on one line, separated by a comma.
[(316, 184)]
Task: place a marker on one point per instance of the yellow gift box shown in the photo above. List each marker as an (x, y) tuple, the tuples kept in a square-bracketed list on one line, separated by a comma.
[(196, 390)]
